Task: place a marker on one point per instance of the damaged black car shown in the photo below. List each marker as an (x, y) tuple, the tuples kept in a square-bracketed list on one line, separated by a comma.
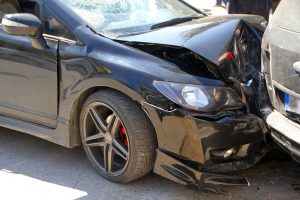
[(152, 85)]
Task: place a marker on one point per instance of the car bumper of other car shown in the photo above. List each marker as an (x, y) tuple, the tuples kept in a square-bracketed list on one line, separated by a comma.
[(286, 133), (191, 149)]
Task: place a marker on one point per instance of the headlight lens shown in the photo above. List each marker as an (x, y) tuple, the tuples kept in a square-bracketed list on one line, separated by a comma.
[(194, 96), (198, 97)]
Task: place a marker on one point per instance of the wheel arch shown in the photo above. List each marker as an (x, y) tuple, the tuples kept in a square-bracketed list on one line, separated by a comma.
[(74, 131)]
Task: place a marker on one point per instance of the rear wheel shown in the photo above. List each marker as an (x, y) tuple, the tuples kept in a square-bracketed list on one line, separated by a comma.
[(117, 136)]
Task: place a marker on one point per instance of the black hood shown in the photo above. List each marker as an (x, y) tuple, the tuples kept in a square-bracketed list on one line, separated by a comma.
[(209, 37), (226, 48)]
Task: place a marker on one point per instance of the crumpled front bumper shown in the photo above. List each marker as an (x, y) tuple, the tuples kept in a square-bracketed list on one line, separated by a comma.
[(171, 168), (285, 132), (191, 150)]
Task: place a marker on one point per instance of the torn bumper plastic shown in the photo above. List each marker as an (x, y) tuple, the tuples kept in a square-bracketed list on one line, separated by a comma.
[(192, 149), (285, 132), (171, 168)]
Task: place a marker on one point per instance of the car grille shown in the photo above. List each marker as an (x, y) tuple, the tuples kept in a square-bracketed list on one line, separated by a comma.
[(281, 78), (282, 68)]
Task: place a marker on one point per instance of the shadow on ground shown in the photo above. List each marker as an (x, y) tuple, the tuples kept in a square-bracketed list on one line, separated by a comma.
[(276, 177)]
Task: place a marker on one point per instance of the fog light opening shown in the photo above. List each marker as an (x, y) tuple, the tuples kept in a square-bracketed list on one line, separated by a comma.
[(229, 153), (220, 154)]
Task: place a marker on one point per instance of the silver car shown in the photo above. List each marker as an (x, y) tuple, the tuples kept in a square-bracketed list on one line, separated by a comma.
[(281, 66)]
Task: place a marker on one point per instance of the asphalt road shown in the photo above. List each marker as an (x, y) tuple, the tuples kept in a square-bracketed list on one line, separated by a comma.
[(31, 168)]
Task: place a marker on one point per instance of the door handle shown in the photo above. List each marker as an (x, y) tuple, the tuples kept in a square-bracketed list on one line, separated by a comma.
[(296, 67)]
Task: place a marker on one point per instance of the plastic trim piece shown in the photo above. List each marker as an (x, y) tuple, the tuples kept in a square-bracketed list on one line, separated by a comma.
[(284, 126)]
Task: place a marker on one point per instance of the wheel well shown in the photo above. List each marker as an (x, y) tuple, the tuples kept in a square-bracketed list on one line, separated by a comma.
[(75, 113), (74, 116)]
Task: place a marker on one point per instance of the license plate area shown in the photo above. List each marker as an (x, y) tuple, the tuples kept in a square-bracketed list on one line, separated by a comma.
[(291, 104)]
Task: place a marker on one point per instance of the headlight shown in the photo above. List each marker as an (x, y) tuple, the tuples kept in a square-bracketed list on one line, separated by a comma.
[(198, 97)]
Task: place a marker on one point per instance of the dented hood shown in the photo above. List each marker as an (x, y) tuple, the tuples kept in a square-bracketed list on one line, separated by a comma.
[(209, 37)]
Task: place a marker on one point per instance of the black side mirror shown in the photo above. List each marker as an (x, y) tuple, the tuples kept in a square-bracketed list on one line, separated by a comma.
[(23, 24)]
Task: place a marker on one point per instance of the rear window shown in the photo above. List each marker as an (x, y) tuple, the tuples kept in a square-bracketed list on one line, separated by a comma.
[(287, 15)]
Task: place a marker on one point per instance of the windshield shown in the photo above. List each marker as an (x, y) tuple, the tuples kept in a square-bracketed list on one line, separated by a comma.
[(124, 17)]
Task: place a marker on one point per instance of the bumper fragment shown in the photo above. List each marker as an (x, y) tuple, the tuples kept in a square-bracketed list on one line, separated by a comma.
[(285, 132), (174, 170), (196, 138), (190, 148), (283, 125)]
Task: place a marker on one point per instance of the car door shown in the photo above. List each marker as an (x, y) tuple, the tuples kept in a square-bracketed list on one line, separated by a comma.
[(28, 80)]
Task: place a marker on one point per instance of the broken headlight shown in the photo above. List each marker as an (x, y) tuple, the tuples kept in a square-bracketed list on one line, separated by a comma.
[(199, 97)]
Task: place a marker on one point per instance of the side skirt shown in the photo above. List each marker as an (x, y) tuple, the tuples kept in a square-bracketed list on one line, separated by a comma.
[(60, 135)]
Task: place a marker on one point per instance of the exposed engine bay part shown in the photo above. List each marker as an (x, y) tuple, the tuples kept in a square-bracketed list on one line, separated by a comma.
[(187, 61)]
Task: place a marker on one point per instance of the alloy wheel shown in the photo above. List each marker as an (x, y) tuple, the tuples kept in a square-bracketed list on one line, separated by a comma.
[(105, 139)]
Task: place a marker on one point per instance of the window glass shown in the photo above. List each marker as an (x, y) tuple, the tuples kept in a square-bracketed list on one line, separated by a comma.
[(32, 7), (122, 17), (53, 26), (8, 8)]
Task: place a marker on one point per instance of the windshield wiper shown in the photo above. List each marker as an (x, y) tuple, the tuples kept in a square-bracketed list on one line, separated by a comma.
[(173, 22)]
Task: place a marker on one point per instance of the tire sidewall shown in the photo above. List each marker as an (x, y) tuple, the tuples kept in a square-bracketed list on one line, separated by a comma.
[(131, 134)]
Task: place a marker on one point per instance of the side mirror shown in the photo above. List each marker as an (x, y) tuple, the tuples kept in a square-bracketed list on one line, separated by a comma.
[(24, 24)]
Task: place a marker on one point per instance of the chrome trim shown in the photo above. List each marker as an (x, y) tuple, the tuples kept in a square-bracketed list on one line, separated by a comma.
[(161, 109), (286, 90), (51, 37), (56, 38), (67, 40)]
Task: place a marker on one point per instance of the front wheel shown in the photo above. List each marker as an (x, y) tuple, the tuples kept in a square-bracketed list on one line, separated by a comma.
[(117, 136)]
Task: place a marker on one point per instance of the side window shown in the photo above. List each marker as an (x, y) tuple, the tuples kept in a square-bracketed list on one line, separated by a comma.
[(53, 26), (32, 7), (8, 7)]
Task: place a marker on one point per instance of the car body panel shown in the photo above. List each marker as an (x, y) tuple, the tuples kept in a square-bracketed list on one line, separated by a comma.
[(29, 81), (199, 34), (95, 62), (171, 168), (195, 142)]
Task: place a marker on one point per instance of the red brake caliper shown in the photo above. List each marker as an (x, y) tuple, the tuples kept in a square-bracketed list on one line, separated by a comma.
[(123, 135)]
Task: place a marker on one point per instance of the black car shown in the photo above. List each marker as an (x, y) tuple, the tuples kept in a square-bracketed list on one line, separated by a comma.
[(281, 66), (144, 85)]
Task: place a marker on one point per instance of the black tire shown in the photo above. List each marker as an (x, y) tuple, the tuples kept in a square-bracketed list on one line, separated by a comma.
[(140, 136)]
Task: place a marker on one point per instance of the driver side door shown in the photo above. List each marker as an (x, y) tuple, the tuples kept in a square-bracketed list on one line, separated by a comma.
[(28, 80)]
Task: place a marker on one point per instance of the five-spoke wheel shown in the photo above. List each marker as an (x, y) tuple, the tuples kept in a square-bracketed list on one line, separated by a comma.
[(105, 134), (117, 136)]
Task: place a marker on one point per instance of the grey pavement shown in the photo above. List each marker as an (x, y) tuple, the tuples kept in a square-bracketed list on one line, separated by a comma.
[(31, 168)]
